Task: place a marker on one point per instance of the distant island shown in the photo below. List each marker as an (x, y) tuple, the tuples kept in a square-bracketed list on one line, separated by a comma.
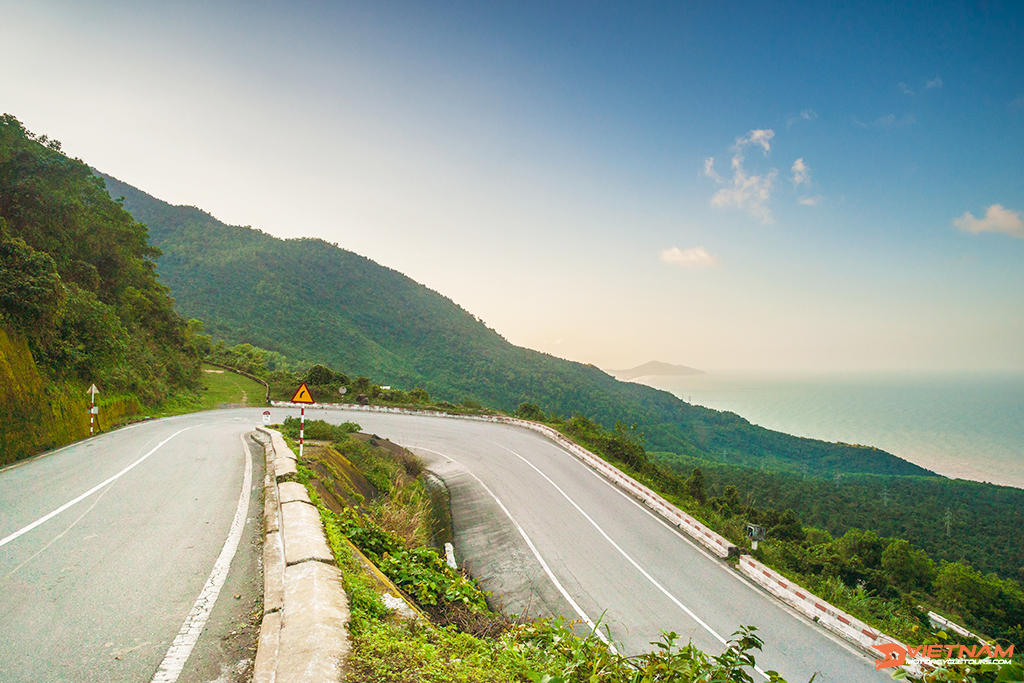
[(654, 368)]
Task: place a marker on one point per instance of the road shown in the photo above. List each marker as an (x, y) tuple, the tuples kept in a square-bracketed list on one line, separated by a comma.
[(612, 558), (100, 590)]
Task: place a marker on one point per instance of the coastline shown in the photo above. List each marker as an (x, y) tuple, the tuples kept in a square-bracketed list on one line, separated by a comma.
[(962, 426)]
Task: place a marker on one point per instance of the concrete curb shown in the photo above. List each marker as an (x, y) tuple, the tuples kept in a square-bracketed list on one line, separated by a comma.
[(831, 618), (304, 633)]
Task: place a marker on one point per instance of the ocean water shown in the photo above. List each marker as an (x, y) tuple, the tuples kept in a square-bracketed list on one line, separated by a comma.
[(969, 426)]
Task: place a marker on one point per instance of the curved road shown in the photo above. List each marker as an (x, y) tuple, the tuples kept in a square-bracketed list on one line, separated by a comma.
[(99, 591), (608, 553)]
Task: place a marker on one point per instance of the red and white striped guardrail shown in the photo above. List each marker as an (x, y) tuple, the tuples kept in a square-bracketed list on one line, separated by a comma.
[(810, 605)]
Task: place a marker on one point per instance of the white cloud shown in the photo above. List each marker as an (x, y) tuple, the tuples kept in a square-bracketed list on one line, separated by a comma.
[(801, 174), (997, 219), (805, 115), (747, 192), (934, 83), (811, 201), (709, 170), (695, 257), (887, 121), (906, 90), (755, 137)]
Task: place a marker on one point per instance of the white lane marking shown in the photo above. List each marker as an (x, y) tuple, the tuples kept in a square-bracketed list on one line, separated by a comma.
[(61, 534), (761, 592), (626, 555), (174, 661), (94, 489), (536, 553)]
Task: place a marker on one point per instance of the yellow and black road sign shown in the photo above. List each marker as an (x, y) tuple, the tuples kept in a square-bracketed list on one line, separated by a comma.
[(302, 395)]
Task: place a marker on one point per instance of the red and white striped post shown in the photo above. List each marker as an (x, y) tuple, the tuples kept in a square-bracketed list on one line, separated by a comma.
[(302, 396), (92, 407)]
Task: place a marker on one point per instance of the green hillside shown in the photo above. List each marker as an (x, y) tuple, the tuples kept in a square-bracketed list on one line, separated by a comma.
[(311, 300), (80, 302)]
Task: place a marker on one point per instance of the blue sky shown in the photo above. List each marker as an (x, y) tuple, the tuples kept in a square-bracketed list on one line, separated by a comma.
[(724, 185)]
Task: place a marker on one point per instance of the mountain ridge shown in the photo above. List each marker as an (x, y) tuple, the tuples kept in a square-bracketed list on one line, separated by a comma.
[(363, 318), (655, 368)]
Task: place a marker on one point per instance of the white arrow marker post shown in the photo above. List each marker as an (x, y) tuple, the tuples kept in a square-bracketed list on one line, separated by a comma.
[(93, 411)]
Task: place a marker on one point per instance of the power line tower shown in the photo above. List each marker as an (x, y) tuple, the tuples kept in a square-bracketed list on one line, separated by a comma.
[(949, 521)]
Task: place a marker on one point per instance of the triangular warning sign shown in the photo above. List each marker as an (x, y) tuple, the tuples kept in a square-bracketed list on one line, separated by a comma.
[(302, 395)]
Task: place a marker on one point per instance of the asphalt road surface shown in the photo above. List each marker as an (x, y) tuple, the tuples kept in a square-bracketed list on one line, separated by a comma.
[(614, 560), (100, 590)]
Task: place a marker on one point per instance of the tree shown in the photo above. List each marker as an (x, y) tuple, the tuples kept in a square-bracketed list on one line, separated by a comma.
[(529, 411), (695, 487), (907, 567), (31, 294)]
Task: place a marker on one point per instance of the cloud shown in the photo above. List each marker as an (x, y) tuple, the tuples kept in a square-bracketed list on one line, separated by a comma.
[(801, 174), (747, 192), (997, 219), (811, 201), (928, 85), (709, 170), (887, 121), (759, 137), (695, 257), (804, 115)]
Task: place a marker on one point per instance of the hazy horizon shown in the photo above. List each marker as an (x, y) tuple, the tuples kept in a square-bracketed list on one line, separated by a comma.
[(790, 188)]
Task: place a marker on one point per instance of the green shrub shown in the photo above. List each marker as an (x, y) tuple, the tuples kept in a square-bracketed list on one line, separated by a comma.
[(319, 430)]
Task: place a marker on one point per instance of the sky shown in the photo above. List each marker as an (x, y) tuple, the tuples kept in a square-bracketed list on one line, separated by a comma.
[(732, 186)]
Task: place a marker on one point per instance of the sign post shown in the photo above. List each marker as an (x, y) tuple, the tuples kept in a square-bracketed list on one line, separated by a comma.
[(93, 410), (755, 533), (266, 417), (302, 395)]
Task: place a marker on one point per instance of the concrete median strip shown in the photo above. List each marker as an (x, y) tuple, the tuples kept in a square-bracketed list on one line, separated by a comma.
[(304, 634)]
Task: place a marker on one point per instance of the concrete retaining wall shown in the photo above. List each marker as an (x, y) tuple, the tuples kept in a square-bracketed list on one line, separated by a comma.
[(304, 634)]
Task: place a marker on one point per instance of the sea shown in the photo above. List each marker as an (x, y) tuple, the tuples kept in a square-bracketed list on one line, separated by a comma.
[(961, 425)]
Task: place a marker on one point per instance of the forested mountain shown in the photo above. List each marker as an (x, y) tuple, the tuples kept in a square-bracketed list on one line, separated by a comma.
[(311, 300), (952, 519), (80, 302)]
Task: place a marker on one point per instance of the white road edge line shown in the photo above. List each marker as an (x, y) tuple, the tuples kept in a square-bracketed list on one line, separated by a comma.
[(94, 489), (533, 548), (174, 661), (764, 594), (622, 552)]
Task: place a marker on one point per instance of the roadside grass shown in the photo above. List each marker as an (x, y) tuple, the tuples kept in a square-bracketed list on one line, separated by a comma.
[(220, 388)]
